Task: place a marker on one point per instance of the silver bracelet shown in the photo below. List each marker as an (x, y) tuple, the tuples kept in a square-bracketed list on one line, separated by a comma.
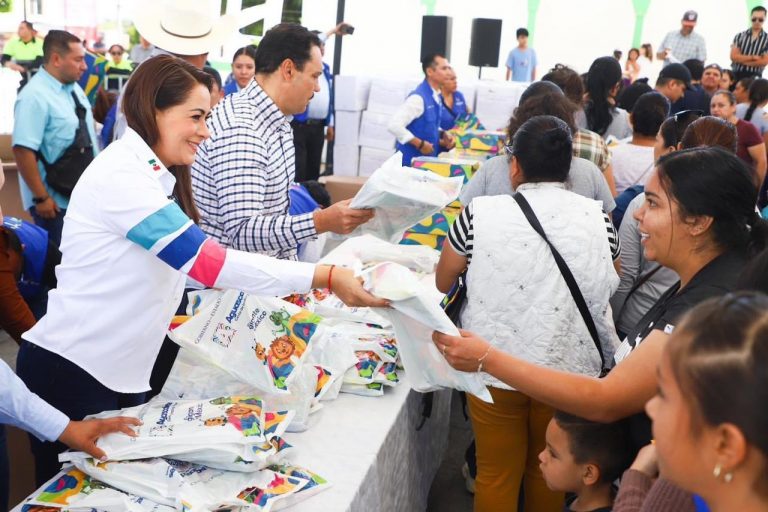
[(482, 359)]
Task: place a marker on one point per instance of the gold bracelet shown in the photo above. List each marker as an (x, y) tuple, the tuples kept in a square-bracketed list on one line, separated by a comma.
[(482, 359)]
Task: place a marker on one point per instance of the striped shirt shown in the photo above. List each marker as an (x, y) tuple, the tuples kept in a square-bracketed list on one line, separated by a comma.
[(748, 45), (462, 235), (242, 175)]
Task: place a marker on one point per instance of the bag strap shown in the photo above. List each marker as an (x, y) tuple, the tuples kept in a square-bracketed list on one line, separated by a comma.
[(565, 271), (640, 282)]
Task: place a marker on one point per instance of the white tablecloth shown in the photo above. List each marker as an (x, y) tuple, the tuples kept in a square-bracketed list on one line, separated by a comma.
[(370, 450)]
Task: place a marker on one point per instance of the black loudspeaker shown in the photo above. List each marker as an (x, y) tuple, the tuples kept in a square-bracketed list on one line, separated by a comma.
[(486, 40), (436, 36)]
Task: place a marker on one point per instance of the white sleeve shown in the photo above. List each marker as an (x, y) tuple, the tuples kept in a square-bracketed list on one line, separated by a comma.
[(408, 111)]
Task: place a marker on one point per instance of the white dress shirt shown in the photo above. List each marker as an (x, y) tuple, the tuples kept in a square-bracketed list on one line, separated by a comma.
[(405, 115)]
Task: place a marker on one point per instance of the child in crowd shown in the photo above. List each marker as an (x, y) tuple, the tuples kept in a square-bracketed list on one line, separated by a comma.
[(585, 458)]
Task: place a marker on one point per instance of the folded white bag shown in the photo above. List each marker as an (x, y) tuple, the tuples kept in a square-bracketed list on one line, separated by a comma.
[(401, 197), (414, 315)]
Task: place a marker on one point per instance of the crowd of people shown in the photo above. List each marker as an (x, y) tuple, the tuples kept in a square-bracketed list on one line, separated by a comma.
[(615, 256)]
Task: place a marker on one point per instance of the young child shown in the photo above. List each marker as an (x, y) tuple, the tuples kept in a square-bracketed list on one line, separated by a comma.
[(584, 458)]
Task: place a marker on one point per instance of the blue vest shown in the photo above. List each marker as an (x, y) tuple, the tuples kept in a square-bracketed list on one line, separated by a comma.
[(35, 242), (426, 126), (449, 116)]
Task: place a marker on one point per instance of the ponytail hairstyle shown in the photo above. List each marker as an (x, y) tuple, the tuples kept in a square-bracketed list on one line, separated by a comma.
[(158, 84), (603, 75), (758, 94), (713, 182), (719, 361), (543, 148), (710, 131)]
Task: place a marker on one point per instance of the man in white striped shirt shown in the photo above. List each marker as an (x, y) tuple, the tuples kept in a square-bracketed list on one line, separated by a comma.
[(243, 172), (749, 51)]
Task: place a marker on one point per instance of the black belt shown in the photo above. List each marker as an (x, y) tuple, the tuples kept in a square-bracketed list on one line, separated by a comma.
[(310, 122)]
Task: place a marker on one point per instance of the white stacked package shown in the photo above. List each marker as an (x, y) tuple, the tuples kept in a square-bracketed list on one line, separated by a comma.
[(347, 128), (372, 158), (346, 160), (258, 340), (496, 101), (387, 94), (196, 488), (374, 132), (401, 197), (228, 432), (415, 315), (351, 92)]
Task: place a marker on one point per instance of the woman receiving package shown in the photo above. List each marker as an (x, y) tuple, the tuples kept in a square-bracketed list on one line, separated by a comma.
[(130, 241), (709, 415), (527, 309), (699, 220)]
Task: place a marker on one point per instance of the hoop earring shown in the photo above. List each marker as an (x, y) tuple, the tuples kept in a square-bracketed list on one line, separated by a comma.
[(718, 469)]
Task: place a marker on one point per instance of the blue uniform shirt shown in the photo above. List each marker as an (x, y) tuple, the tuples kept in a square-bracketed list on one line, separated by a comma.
[(46, 122)]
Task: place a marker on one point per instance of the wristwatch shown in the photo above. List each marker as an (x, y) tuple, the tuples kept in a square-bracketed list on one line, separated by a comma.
[(39, 200)]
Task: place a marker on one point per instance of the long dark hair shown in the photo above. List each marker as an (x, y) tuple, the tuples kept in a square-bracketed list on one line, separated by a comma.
[(603, 75), (758, 94), (713, 182), (158, 84), (719, 360), (547, 104), (544, 149)]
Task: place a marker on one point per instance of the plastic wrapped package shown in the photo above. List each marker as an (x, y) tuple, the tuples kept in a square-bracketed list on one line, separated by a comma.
[(193, 487), (462, 168), (229, 424), (73, 490), (194, 378), (401, 197), (415, 315), (259, 340), (387, 374), (315, 484), (363, 250), (373, 389), (260, 455), (364, 372)]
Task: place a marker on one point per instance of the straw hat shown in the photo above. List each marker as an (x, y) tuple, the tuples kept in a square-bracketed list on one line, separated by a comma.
[(182, 27)]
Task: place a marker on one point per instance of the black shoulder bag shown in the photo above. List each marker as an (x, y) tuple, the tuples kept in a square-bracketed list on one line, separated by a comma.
[(567, 275), (62, 175)]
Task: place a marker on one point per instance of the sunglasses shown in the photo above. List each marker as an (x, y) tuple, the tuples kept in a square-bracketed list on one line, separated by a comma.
[(684, 115), (758, 20)]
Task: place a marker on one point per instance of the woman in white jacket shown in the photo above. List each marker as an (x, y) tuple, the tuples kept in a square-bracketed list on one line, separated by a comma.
[(519, 301)]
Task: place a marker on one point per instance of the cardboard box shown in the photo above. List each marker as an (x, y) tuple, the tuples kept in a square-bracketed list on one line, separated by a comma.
[(346, 160), (447, 168), (374, 132), (388, 94), (351, 92), (372, 158), (342, 187), (496, 101), (437, 224), (347, 128), (466, 154), (6, 153)]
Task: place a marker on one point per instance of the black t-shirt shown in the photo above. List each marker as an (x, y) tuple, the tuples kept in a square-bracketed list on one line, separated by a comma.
[(568, 502), (717, 278)]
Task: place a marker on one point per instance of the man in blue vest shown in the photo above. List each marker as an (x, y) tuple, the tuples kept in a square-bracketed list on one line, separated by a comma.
[(416, 124)]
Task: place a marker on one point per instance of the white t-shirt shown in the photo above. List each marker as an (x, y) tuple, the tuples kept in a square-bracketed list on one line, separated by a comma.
[(632, 165)]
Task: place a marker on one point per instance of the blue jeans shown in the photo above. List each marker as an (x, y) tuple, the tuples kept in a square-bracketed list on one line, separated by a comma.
[(70, 389), (52, 226)]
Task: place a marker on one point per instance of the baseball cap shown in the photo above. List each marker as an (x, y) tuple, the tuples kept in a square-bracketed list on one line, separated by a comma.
[(690, 17), (678, 72)]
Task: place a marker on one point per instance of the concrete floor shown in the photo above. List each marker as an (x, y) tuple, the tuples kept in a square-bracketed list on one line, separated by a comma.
[(448, 492)]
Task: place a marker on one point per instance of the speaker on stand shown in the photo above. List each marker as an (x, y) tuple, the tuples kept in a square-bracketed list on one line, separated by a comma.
[(436, 36), (485, 43)]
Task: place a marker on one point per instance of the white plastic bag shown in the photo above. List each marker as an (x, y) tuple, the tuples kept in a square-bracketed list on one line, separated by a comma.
[(367, 249), (73, 490), (414, 315), (228, 425), (193, 378), (259, 340), (401, 197)]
